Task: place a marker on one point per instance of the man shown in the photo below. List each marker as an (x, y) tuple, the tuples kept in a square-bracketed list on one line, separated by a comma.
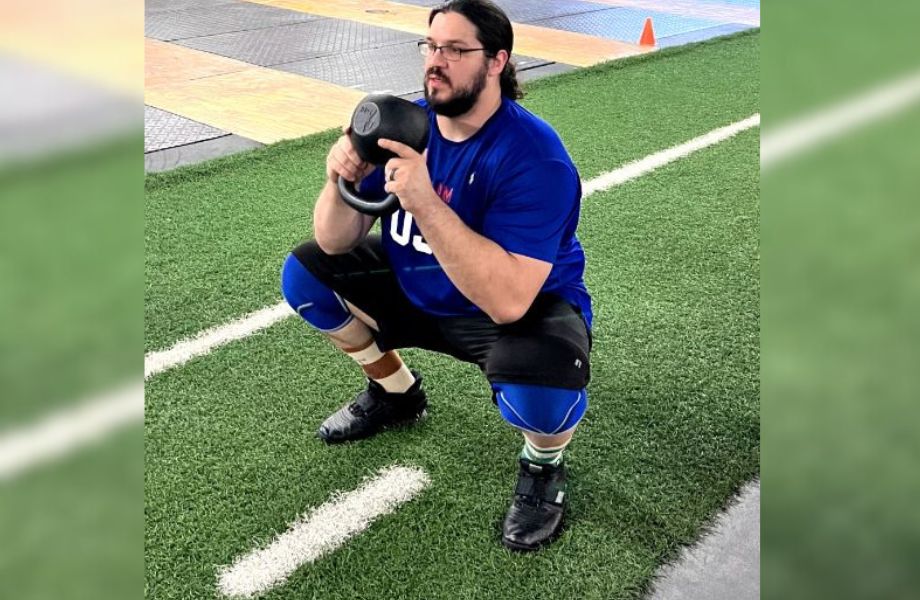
[(480, 262)]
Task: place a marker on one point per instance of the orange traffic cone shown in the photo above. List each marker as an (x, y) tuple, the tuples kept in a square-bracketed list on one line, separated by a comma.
[(648, 34)]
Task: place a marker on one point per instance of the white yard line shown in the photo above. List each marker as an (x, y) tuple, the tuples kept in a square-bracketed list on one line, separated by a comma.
[(209, 339), (67, 429), (320, 531), (826, 124), (638, 168)]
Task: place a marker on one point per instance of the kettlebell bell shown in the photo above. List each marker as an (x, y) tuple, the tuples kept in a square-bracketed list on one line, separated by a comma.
[(383, 116)]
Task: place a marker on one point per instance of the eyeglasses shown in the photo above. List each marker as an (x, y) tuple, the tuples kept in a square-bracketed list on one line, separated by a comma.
[(451, 53)]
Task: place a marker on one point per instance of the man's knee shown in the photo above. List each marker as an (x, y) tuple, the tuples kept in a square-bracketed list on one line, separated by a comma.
[(310, 298), (540, 409), (539, 382)]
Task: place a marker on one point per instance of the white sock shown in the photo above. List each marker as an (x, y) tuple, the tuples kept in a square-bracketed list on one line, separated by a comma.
[(398, 382)]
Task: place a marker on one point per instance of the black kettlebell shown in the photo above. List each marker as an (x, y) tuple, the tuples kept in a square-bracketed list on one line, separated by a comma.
[(383, 116)]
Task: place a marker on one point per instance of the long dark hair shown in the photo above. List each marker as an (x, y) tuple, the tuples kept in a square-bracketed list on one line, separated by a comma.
[(494, 32)]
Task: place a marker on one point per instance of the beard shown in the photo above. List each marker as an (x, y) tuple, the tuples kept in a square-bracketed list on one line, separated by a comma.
[(463, 99)]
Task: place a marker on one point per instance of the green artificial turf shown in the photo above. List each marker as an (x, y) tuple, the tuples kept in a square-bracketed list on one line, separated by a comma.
[(840, 320), (72, 529), (840, 366), (69, 280), (672, 429)]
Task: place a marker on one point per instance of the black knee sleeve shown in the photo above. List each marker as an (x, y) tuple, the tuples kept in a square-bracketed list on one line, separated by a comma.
[(539, 360)]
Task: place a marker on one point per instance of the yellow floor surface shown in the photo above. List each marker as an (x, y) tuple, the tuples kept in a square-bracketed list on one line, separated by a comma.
[(255, 102)]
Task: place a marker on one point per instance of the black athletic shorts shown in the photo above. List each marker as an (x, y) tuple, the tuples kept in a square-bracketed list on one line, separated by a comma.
[(549, 346)]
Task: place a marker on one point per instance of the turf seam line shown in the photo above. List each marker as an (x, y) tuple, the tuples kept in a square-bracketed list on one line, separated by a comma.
[(825, 124), (320, 531), (204, 342), (64, 430)]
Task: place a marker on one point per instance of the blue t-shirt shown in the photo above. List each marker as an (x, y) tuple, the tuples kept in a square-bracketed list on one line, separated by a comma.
[(511, 182)]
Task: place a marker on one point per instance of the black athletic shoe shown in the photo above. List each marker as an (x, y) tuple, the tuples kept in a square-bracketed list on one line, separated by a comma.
[(372, 410), (535, 516)]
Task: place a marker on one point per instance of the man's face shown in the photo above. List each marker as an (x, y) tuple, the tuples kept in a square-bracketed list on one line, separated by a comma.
[(453, 87)]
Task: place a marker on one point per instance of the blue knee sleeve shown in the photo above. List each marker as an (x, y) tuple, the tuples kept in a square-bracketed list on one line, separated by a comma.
[(540, 409), (311, 299)]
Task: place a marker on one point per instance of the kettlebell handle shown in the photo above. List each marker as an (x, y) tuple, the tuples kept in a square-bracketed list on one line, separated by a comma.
[(382, 116), (377, 208)]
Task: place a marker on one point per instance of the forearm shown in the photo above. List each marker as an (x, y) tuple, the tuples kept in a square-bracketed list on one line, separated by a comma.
[(336, 226), (482, 270)]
